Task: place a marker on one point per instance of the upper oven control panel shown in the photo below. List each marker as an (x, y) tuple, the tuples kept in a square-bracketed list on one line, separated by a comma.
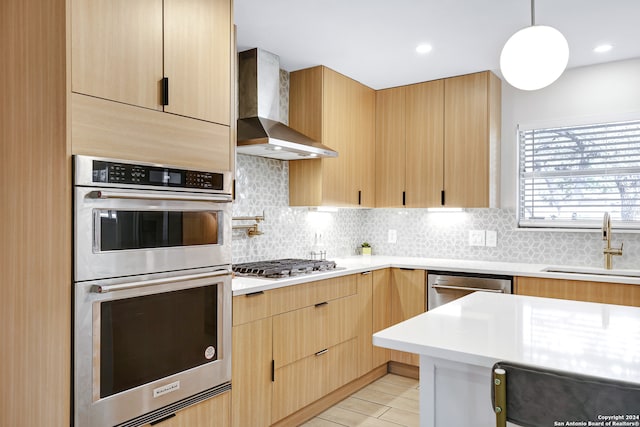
[(123, 173), (96, 171)]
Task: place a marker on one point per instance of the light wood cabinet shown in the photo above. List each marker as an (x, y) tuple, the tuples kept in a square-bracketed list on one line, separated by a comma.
[(606, 293), (381, 300), (364, 322), (251, 375), (339, 112), (306, 331), (120, 53), (212, 412), (307, 380), (437, 143), (472, 108), (424, 144), (35, 207), (390, 147), (407, 300), (409, 145), (294, 345), (250, 307)]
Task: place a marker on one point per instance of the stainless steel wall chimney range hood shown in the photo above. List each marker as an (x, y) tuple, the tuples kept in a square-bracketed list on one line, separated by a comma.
[(260, 133)]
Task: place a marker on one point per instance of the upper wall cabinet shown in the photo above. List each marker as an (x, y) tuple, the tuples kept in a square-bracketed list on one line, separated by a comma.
[(437, 143), (409, 145), (122, 50), (340, 113), (472, 110), (166, 56)]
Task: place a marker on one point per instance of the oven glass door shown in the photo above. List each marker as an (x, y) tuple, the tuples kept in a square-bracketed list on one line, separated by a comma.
[(132, 232), (143, 343), (118, 230), (146, 338)]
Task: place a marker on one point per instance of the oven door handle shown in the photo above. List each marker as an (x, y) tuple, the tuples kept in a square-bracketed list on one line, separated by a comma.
[(102, 194), (467, 288), (103, 289)]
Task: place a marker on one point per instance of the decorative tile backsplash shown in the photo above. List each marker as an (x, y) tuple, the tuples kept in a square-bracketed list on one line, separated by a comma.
[(262, 186)]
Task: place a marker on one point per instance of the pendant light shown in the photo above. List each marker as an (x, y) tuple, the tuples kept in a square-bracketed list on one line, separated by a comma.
[(535, 56)]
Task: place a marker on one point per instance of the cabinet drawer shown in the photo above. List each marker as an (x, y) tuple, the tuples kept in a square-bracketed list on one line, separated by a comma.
[(307, 380), (301, 333), (214, 412), (308, 294), (250, 307)]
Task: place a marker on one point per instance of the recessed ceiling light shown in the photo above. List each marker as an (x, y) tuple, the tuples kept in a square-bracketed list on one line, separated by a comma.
[(424, 48), (602, 48)]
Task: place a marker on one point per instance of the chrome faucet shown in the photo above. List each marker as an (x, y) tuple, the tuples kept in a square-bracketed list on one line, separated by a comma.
[(609, 252)]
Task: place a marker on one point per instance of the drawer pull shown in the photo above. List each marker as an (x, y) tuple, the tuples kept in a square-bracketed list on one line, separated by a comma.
[(321, 352), (364, 273), (320, 304), (253, 294), (162, 419)]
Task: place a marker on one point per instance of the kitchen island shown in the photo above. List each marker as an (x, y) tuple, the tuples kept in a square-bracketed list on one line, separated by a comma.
[(460, 341)]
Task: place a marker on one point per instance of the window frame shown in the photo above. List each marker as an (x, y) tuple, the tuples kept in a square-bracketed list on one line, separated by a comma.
[(563, 224)]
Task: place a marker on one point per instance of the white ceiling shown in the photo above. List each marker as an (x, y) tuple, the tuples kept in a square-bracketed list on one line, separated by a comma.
[(374, 41)]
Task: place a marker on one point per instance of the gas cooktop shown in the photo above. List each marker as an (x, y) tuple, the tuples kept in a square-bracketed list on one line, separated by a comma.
[(280, 268)]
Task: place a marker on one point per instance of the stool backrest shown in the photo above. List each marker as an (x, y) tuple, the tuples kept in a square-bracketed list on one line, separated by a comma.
[(538, 397)]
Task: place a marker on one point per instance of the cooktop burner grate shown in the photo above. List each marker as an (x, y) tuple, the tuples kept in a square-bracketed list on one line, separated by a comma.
[(282, 267)]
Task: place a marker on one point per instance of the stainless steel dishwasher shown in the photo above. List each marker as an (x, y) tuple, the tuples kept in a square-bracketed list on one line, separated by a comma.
[(445, 286)]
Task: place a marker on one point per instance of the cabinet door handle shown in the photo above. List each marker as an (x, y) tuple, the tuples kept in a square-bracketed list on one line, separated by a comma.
[(359, 197), (165, 91), (253, 294), (152, 423), (442, 197), (364, 273), (320, 304), (404, 198), (321, 352), (466, 288)]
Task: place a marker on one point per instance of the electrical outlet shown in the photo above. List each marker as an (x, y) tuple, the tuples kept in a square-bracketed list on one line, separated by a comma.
[(476, 237), (392, 236), (491, 238)]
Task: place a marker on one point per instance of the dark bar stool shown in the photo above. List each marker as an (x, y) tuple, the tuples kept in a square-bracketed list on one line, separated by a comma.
[(530, 396)]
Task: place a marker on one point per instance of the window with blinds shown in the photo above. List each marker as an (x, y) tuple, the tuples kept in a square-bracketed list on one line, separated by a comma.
[(570, 176)]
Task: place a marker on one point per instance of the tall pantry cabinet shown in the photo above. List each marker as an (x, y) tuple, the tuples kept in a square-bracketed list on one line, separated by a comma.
[(84, 77), (35, 212)]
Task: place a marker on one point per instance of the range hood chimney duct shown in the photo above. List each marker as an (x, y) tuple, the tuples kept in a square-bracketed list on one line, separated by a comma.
[(260, 132)]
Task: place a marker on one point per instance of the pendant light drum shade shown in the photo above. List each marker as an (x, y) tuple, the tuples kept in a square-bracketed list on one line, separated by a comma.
[(534, 57)]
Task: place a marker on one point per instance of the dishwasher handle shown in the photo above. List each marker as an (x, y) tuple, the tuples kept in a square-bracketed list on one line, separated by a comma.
[(466, 288)]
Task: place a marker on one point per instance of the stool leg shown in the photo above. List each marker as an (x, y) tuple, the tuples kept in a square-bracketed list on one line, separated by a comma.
[(500, 389)]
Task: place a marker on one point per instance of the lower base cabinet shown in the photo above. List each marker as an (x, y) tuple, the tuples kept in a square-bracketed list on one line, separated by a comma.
[(294, 345), (407, 300), (251, 373), (578, 290), (300, 383), (214, 412)]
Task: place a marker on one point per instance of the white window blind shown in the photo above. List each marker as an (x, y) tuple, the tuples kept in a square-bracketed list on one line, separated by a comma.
[(570, 176)]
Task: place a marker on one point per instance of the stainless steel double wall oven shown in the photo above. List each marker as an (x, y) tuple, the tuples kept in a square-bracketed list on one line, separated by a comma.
[(152, 290)]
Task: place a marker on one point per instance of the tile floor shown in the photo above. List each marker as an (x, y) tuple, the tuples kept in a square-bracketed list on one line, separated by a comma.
[(390, 401)]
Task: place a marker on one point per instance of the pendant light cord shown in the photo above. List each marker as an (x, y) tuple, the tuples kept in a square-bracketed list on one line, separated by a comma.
[(533, 12)]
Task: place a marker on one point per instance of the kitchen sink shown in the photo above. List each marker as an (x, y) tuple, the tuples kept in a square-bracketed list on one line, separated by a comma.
[(593, 271)]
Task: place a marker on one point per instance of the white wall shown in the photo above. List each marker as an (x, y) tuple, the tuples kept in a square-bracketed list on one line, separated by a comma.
[(581, 95)]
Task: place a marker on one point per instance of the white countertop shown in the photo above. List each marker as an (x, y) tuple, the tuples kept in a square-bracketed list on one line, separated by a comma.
[(482, 328), (359, 264)]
